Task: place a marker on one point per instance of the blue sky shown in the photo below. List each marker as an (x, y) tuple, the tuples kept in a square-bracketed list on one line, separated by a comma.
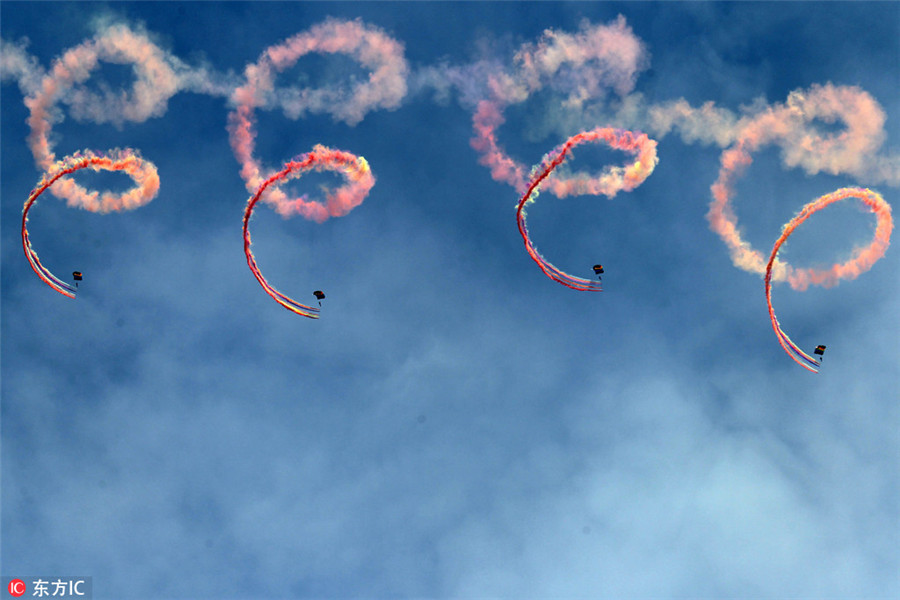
[(456, 424)]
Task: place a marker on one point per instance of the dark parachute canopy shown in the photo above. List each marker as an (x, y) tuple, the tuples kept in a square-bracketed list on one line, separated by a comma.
[(820, 350)]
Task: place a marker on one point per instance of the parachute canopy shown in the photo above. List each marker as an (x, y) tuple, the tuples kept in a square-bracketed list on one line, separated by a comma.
[(76, 275), (598, 269), (319, 294), (820, 350)]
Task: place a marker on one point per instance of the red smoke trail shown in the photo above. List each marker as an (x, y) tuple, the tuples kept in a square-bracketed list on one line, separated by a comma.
[(583, 65), (360, 181), (608, 183), (385, 88), (127, 161), (851, 151), (862, 261), (156, 83)]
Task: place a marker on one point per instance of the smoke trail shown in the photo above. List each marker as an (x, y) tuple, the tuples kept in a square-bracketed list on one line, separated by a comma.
[(126, 161), (19, 66), (359, 181), (156, 82), (850, 151), (158, 76), (384, 88), (582, 66), (857, 150), (707, 124), (609, 183), (862, 261)]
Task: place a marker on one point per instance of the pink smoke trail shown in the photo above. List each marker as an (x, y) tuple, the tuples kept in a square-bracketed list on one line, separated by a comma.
[(156, 83), (359, 181), (385, 88), (127, 161), (862, 261), (609, 184), (19, 66), (850, 151), (583, 65)]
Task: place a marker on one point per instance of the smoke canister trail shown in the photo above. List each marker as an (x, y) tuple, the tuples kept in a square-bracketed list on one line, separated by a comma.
[(583, 66), (156, 83), (339, 202), (127, 161), (862, 260), (608, 183), (850, 151), (385, 88)]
